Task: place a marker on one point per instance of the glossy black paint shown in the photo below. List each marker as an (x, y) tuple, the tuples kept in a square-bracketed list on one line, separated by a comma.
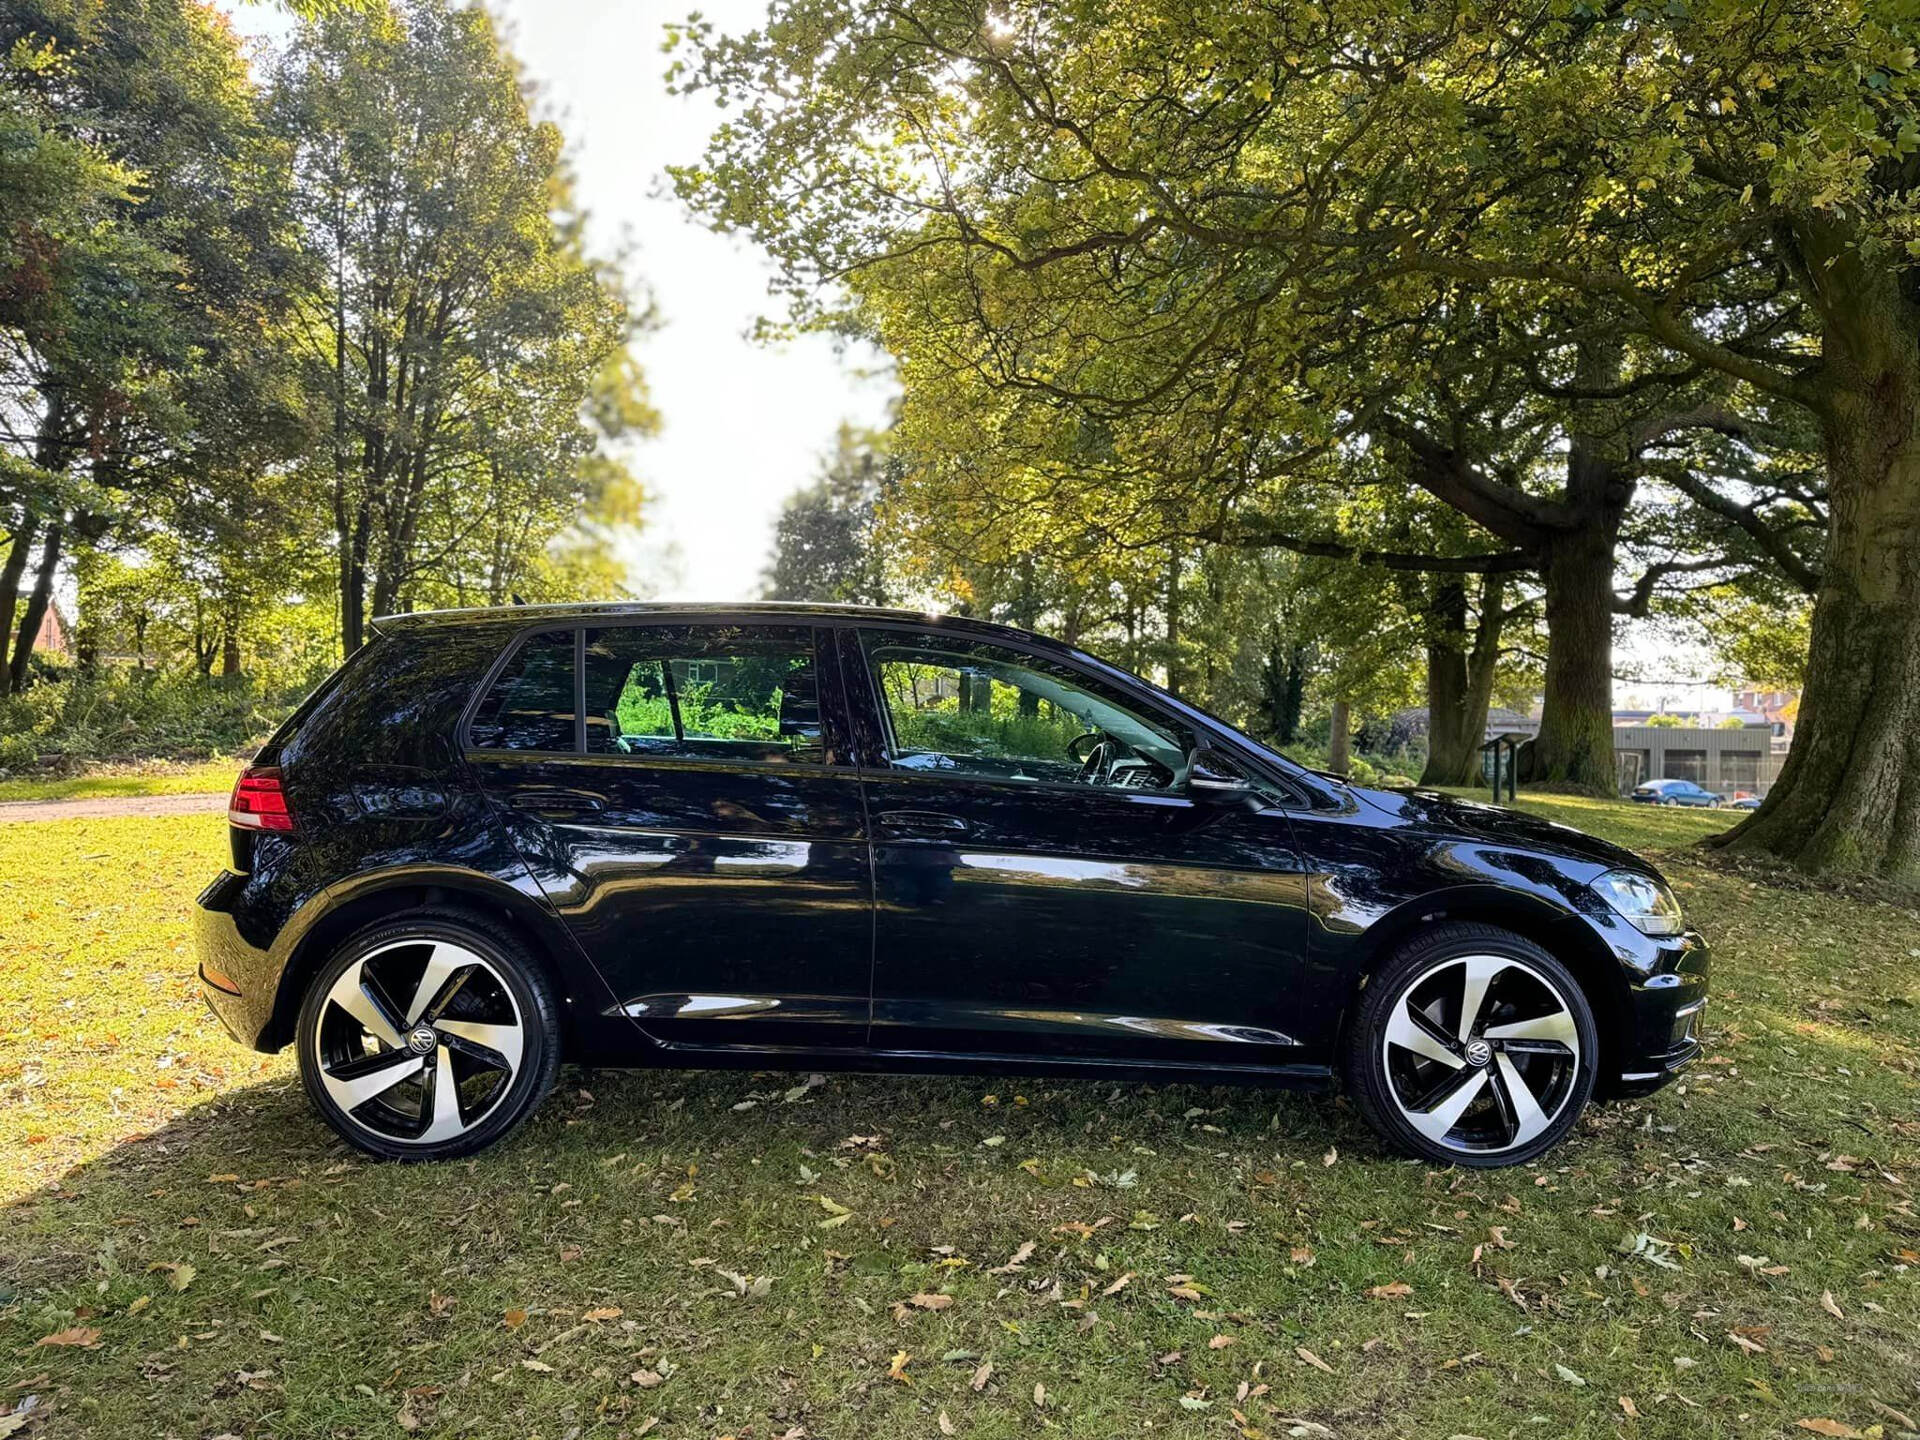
[(850, 913)]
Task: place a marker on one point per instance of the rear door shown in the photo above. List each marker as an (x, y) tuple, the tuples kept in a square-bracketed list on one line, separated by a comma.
[(1042, 893), (693, 817)]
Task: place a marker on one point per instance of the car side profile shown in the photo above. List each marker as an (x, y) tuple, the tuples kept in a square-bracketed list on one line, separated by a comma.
[(1675, 792), (767, 836)]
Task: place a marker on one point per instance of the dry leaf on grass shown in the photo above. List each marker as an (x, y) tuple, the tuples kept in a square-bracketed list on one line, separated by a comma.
[(1020, 1258), (1117, 1286), (83, 1336), (514, 1319), (603, 1312), (1397, 1290), (924, 1301), (1822, 1426), (897, 1368), (1312, 1359), (981, 1376)]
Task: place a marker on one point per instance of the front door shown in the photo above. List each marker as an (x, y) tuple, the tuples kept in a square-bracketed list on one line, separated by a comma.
[(691, 817), (1045, 883)]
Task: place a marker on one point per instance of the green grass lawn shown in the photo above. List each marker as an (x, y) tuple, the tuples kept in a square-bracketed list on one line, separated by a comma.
[(702, 1255), (154, 778)]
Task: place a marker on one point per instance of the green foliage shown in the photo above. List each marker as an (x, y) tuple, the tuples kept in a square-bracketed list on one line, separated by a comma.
[(116, 714), (827, 542)]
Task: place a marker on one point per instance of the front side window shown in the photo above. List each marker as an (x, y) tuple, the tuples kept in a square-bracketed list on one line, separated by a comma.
[(530, 706), (718, 692), (960, 707)]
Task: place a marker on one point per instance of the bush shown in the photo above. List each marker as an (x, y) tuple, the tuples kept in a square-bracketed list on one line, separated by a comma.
[(118, 714)]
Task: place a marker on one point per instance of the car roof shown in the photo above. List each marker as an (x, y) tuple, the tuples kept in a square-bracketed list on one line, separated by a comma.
[(667, 611)]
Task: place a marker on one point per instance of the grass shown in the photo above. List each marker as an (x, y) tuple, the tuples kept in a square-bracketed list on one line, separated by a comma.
[(770, 1258), (150, 778)]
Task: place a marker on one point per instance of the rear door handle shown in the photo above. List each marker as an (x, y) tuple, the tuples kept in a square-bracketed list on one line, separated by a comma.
[(929, 823), (556, 800)]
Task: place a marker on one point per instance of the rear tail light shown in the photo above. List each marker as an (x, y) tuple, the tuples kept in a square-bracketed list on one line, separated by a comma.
[(259, 802)]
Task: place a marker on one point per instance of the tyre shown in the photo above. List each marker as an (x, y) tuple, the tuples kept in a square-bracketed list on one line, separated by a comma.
[(428, 1035), (1472, 1046)]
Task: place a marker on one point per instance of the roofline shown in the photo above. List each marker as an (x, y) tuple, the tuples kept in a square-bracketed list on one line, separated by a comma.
[(556, 609)]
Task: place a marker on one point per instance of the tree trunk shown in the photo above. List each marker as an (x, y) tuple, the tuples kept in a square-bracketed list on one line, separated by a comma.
[(10, 576), (36, 610), (1848, 798), (1574, 750), (1340, 739), (1173, 621), (1460, 679)]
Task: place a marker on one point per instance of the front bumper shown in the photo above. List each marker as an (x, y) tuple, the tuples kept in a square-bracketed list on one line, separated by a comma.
[(1665, 1005)]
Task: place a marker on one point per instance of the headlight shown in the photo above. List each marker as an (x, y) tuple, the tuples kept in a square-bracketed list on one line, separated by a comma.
[(1645, 901)]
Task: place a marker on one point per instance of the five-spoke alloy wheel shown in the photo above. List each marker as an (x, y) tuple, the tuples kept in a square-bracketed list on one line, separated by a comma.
[(427, 1037), (1473, 1046)]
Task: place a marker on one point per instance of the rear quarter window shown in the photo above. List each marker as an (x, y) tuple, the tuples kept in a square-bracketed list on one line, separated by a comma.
[(530, 705), (402, 704)]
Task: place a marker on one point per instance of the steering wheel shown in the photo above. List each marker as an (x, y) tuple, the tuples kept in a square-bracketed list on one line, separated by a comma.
[(1098, 757), (1081, 748)]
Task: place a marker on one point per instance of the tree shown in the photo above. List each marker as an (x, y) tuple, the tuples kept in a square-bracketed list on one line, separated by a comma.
[(1730, 183), (825, 543), (151, 106), (458, 327)]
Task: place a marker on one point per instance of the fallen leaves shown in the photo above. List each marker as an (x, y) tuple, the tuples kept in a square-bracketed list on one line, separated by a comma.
[(83, 1337), (179, 1274), (1312, 1359), (981, 1376), (603, 1312), (837, 1214), (1831, 1306), (1117, 1286), (1822, 1426), (925, 1301), (1398, 1290), (1019, 1260), (897, 1367), (1752, 1347)]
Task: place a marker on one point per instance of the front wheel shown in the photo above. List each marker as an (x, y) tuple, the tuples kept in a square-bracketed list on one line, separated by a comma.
[(428, 1036), (1473, 1046)]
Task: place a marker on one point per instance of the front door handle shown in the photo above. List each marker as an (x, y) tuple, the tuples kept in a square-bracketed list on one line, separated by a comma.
[(556, 800), (931, 824)]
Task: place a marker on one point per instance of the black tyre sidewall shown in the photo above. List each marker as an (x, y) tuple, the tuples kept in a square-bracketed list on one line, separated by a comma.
[(1366, 1067), (540, 1056)]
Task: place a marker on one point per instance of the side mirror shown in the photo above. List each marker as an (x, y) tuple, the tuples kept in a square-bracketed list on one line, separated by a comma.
[(1211, 773)]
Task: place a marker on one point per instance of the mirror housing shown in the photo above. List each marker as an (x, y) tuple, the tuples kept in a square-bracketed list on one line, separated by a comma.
[(1211, 773)]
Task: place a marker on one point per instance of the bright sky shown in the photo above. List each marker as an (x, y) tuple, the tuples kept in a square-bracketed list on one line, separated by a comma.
[(745, 424)]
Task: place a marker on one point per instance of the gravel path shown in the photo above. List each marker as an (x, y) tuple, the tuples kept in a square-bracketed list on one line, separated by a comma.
[(111, 807)]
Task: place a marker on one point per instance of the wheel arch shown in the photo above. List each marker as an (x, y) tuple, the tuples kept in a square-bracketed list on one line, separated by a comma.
[(1561, 933), (380, 896)]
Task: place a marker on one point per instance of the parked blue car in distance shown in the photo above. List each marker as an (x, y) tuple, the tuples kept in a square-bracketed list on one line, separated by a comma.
[(1674, 792)]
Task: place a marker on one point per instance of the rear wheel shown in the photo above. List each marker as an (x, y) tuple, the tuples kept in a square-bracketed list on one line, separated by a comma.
[(428, 1036), (1473, 1046)]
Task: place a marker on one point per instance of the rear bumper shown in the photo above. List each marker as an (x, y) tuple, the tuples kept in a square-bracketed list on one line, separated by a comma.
[(238, 980)]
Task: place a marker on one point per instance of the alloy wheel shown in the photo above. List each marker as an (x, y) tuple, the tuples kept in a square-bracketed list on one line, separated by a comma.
[(1481, 1053), (419, 1040)]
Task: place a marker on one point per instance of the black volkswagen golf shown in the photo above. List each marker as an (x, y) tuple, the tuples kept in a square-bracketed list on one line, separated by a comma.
[(766, 836)]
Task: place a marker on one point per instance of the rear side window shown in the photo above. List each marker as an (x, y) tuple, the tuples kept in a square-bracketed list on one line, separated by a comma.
[(530, 706), (718, 692)]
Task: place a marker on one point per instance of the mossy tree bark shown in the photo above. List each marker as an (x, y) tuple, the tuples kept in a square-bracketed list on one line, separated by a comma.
[(1848, 799)]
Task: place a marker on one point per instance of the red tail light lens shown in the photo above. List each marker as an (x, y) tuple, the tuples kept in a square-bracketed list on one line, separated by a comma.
[(258, 802)]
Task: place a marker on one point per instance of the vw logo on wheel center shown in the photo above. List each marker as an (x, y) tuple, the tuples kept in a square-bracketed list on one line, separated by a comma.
[(1479, 1052), (421, 1039)]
